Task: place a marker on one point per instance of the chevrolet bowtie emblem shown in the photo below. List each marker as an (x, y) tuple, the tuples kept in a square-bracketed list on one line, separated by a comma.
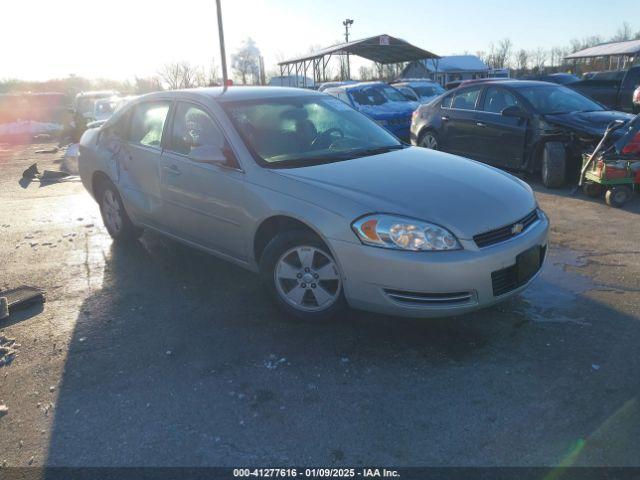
[(517, 228)]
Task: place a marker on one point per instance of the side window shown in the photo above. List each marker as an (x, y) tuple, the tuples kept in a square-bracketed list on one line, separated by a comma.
[(147, 123), (466, 99), (497, 99), (344, 97), (446, 101), (193, 127)]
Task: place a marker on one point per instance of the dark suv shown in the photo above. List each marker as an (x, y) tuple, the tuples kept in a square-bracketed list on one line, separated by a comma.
[(518, 125)]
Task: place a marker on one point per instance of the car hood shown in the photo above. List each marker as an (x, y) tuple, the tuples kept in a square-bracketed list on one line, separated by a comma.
[(592, 123), (389, 109), (463, 195)]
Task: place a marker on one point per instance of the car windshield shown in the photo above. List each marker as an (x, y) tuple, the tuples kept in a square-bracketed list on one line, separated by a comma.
[(554, 99), (300, 131), (377, 95), (429, 90)]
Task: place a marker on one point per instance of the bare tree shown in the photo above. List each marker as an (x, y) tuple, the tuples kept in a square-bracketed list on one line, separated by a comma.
[(623, 34), (180, 75), (522, 61), (246, 61), (147, 85), (539, 58), (502, 55)]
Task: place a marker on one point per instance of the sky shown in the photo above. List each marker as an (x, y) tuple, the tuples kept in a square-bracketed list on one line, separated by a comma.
[(120, 39)]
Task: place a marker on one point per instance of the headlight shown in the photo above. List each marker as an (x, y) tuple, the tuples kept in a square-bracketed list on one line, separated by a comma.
[(388, 231)]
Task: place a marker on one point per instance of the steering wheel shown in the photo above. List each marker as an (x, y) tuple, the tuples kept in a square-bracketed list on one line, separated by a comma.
[(325, 137)]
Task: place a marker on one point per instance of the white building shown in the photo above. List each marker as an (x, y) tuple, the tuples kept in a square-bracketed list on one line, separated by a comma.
[(448, 69)]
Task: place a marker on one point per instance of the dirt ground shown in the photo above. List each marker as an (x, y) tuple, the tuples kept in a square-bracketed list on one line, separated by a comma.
[(159, 355)]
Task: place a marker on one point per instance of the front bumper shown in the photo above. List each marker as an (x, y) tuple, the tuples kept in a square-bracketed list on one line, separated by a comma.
[(431, 284)]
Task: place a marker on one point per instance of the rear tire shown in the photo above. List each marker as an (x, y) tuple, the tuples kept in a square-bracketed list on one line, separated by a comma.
[(617, 196), (554, 165), (429, 140), (114, 216), (284, 274)]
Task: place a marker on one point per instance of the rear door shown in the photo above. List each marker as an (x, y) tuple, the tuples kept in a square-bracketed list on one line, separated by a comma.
[(202, 202), (458, 122), (139, 157), (500, 140)]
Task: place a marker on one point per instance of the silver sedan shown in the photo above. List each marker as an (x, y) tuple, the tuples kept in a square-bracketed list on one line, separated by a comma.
[(329, 208)]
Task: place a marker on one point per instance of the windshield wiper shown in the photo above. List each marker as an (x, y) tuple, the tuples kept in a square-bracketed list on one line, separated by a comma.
[(378, 150)]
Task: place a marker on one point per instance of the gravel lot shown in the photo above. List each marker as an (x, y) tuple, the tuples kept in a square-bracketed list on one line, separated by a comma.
[(157, 354)]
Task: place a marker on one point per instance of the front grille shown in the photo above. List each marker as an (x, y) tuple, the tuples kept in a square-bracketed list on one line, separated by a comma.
[(420, 298), (506, 280), (505, 233)]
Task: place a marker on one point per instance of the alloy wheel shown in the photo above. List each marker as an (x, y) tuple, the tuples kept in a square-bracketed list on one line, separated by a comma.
[(307, 279), (111, 211)]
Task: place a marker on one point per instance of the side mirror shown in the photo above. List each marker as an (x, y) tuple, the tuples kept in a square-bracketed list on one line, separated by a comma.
[(514, 112), (212, 154)]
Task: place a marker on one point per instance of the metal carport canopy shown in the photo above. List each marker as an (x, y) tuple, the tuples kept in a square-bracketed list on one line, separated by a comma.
[(631, 47), (380, 48)]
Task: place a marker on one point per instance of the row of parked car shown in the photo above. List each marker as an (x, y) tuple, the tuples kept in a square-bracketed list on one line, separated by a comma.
[(531, 126)]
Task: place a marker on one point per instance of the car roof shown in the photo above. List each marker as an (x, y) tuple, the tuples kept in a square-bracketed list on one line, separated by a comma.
[(411, 83), (359, 85), (232, 94), (510, 83)]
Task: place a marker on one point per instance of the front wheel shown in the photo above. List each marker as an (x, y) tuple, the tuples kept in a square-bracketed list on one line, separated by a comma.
[(429, 140), (302, 276), (554, 165)]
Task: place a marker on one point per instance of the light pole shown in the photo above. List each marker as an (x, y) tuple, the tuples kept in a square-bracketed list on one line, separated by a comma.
[(223, 56), (347, 23)]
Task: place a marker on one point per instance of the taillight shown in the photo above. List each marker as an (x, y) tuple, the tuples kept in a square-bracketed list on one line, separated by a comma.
[(636, 95), (633, 146), (415, 114)]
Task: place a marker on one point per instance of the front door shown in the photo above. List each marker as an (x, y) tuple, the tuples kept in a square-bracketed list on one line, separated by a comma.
[(138, 161), (500, 140), (202, 202)]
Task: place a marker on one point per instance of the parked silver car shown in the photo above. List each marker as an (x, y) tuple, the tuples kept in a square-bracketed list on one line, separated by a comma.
[(329, 208)]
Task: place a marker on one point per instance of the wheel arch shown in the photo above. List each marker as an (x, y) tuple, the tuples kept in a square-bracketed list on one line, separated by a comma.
[(97, 179), (275, 224)]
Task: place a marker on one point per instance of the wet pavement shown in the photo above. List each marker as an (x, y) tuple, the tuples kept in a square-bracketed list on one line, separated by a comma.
[(157, 354)]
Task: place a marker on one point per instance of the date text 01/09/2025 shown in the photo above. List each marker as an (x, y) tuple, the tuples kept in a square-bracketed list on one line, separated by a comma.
[(315, 472)]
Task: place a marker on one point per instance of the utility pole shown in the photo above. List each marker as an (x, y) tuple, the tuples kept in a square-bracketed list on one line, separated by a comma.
[(223, 56), (347, 23)]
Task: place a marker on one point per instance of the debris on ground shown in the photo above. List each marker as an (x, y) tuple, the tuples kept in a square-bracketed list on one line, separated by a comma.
[(48, 150), (47, 176), (22, 296), (8, 350), (3, 410)]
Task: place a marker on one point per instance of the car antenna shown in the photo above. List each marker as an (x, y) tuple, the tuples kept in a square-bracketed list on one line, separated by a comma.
[(223, 57)]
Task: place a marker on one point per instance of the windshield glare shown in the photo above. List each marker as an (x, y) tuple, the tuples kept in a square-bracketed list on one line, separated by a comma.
[(377, 95), (306, 130), (550, 99)]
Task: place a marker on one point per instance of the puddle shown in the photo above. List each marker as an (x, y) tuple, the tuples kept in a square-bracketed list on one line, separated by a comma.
[(557, 290)]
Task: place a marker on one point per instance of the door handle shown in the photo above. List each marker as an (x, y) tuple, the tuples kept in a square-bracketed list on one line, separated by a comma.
[(173, 170), (445, 118), (480, 124)]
